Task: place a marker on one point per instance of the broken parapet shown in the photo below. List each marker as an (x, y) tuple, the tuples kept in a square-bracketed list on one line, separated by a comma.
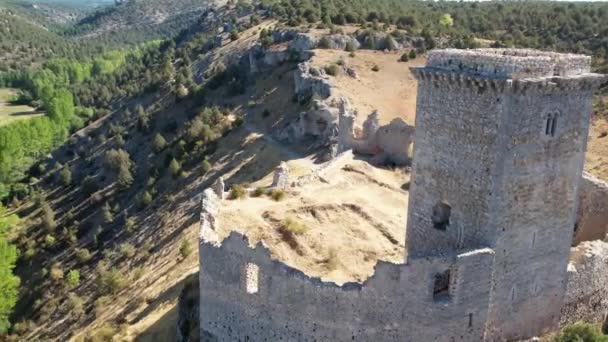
[(592, 220), (587, 287), (346, 126), (509, 63), (281, 176), (219, 188), (210, 206)]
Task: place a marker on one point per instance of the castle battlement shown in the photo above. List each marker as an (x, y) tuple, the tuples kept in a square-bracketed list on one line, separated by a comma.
[(509, 63)]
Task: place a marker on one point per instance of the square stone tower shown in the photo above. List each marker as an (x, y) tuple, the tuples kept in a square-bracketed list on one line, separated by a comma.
[(499, 150)]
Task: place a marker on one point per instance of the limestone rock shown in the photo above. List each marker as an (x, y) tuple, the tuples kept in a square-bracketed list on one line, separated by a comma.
[(281, 176), (303, 42), (218, 187)]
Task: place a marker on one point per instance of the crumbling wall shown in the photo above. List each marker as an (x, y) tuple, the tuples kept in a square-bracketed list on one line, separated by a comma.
[(587, 290), (247, 296), (592, 221)]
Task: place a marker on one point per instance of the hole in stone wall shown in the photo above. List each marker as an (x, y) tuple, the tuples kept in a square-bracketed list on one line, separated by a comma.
[(441, 287), (441, 215), (251, 278)]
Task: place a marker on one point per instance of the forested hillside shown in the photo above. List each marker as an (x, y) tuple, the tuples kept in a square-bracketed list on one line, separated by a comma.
[(97, 190)]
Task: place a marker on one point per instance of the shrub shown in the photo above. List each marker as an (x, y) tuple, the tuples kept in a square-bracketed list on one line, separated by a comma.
[(277, 195), (175, 168), (185, 249), (376, 68), (350, 47), (75, 305), (65, 175), (130, 225), (295, 227), (332, 69), (159, 143), (48, 217), (581, 332), (238, 191), (56, 272), (89, 186), (83, 255), (259, 192), (109, 281), (73, 278), (101, 303), (106, 214), (49, 241), (127, 250)]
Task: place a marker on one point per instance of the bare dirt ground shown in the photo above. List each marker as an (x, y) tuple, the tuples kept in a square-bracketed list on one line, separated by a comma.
[(351, 216), (391, 90)]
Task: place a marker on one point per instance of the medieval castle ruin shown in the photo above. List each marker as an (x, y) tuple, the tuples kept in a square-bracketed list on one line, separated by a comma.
[(496, 198)]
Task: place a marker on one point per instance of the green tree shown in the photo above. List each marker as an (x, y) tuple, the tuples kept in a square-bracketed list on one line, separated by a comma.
[(73, 278), (66, 176), (159, 143)]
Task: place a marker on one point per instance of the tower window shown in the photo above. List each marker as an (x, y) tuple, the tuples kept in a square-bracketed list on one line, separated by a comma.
[(441, 215), (551, 124), (441, 287)]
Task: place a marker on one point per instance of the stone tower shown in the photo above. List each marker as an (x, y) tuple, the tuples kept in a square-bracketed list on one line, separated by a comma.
[(500, 142)]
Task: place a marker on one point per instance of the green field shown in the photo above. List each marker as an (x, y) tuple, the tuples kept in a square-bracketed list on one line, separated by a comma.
[(10, 113)]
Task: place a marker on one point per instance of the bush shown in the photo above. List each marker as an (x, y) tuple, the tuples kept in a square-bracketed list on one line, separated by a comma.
[(277, 195), (350, 47), (89, 186), (101, 303), (83, 255), (75, 305), (581, 332), (73, 278), (127, 250), (332, 69), (259, 192), (175, 168), (65, 175), (185, 249), (159, 143), (291, 225), (106, 214), (146, 199), (238, 191), (49, 241), (48, 217), (109, 281)]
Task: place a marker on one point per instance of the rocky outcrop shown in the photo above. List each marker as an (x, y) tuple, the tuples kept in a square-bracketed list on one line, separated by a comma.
[(320, 123), (303, 42), (339, 42), (311, 82), (281, 176)]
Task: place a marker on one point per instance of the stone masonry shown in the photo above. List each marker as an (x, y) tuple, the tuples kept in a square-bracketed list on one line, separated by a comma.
[(500, 141)]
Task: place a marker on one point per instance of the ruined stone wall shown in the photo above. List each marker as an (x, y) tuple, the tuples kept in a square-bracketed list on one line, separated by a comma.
[(592, 221), (587, 290), (246, 295)]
